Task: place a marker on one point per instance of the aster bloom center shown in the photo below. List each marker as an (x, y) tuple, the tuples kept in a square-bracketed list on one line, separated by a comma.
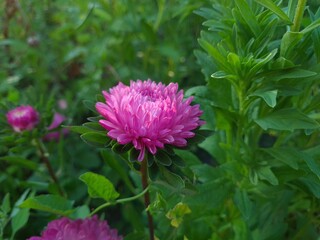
[(23, 118), (149, 115)]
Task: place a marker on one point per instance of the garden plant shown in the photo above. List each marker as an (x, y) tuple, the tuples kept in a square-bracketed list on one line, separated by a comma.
[(165, 119)]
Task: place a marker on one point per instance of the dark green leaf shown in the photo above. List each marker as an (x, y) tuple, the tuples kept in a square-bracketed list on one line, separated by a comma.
[(242, 201), (19, 220), (289, 156), (99, 186), (163, 158), (121, 149), (248, 16), (90, 105), (5, 206), (49, 203), (78, 129), (287, 119), (265, 173), (270, 97), (274, 8), (20, 161), (172, 178), (96, 139), (94, 126)]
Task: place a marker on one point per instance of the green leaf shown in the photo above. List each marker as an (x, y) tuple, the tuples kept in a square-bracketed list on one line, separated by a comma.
[(265, 173), (5, 206), (270, 97), (121, 149), (78, 129), (248, 16), (287, 119), (20, 161), (312, 184), (313, 165), (242, 201), (90, 105), (288, 42), (218, 58), (163, 158), (94, 126), (312, 26), (275, 9), (289, 156), (177, 213), (96, 139), (292, 74), (19, 220), (99, 186), (172, 178), (49, 203)]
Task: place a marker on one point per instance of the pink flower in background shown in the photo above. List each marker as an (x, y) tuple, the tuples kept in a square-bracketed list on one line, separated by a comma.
[(148, 115), (56, 122), (81, 229), (23, 118)]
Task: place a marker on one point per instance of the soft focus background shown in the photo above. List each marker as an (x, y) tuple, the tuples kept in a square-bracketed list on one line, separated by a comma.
[(254, 75), (56, 54)]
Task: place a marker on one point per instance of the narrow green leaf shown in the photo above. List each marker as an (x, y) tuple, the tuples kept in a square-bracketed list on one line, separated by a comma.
[(218, 58), (288, 42), (289, 156), (121, 149), (275, 9), (163, 158), (19, 220), (99, 186), (94, 126), (20, 161), (96, 139), (287, 119), (248, 16), (172, 178), (312, 184), (78, 129), (49, 203), (242, 201), (292, 74), (270, 97), (313, 165), (5, 206), (312, 26), (265, 173), (90, 105)]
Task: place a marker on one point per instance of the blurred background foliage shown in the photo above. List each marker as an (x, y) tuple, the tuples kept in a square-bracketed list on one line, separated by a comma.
[(69, 51), (253, 179)]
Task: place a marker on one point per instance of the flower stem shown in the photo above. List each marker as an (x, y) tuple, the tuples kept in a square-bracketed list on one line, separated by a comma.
[(123, 200), (298, 15), (45, 160), (144, 178)]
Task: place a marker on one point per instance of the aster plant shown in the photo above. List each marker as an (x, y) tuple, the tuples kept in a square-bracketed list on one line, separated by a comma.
[(145, 121)]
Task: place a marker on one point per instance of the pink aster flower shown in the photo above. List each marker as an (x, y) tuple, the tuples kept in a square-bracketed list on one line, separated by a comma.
[(23, 118), (81, 229), (148, 115)]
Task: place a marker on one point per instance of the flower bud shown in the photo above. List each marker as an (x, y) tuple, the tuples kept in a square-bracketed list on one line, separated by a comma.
[(23, 118)]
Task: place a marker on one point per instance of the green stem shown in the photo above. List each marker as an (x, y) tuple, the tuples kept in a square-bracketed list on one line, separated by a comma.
[(44, 158), (123, 200), (298, 15), (144, 179)]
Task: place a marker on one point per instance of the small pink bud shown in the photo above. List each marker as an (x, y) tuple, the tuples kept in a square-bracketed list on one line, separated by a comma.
[(23, 118)]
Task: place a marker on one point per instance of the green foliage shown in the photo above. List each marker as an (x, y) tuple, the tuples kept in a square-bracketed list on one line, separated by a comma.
[(99, 186), (251, 172)]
